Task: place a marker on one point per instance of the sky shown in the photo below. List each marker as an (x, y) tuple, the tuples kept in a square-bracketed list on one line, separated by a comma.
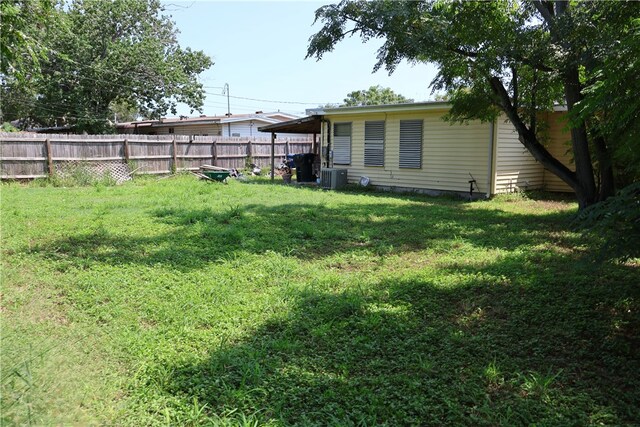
[(259, 48)]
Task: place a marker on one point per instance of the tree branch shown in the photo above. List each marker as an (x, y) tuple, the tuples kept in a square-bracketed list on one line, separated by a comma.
[(529, 139), (463, 52), (534, 91), (514, 83), (546, 10), (532, 64)]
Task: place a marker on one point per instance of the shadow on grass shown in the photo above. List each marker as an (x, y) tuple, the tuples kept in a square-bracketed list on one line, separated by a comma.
[(480, 351), (529, 337), (309, 231)]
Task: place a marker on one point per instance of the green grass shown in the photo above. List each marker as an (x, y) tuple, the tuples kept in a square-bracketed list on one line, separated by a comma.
[(181, 302)]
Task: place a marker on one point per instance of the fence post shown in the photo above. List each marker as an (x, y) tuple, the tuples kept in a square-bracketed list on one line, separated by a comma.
[(174, 169), (126, 150), (47, 142), (286, 148), (214, 153), (273, 155), (249, 152)]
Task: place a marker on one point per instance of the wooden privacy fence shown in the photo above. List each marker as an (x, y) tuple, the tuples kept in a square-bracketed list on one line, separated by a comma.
[(25, 156)]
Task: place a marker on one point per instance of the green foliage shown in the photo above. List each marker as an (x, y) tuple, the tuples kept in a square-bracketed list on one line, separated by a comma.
[(611, 102), (518, 58), (616, 222), (183, 302), (123, 111), (8, 127), (375, 95), (21, 48), (103, 57)]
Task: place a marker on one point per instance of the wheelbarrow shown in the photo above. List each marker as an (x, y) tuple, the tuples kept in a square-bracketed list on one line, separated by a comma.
[(214, 173)]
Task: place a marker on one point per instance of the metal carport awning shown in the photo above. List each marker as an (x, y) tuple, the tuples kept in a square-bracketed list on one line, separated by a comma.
[(308, 125)]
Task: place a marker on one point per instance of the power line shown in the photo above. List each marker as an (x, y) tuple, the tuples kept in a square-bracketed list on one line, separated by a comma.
[(138, 75), (268, 100), (61, 111), (61, 56), (261, 100)]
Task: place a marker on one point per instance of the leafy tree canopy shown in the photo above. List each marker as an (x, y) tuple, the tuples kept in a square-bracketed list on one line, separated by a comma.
[(20, 47), (101, 56), (375, 95), (518, 59)]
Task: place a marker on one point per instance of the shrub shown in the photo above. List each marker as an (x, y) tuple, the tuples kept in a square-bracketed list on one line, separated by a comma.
[(616, 223)]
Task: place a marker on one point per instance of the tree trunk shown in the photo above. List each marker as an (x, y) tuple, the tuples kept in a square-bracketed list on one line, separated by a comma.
[(582, 180), (607, 182), (529, 139), (586, 193)]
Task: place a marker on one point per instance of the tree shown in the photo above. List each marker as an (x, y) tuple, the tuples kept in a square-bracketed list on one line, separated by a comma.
[(123, 111), (20, 48), (375, 95), (101, 56), (611, 104), (516, 58)]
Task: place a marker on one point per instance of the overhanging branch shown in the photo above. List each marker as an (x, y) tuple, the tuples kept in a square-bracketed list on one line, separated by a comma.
[(528, 138)]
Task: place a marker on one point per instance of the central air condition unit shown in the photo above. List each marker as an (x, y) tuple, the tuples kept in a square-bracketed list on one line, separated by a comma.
[(333, 178)]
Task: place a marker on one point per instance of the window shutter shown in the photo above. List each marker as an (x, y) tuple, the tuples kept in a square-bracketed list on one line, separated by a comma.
[(411, 144), (374, 143), (342, 143)]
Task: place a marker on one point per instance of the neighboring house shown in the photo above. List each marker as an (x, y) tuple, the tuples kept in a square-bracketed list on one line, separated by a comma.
[(246, 125), (235, 125), (202, 125), (409, 147)]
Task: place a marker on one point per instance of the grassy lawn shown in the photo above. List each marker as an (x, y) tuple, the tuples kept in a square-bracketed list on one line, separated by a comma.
[(180, 302)]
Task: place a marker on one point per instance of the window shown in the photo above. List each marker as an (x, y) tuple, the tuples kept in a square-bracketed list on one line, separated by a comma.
[(411, 144), (342, 143), (374, 143), (171, 130)]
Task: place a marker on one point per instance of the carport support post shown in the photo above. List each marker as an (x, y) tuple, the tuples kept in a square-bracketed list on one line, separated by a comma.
[(273, 155)]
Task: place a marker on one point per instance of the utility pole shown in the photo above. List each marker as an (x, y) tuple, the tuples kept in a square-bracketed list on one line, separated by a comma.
[(225, 90)]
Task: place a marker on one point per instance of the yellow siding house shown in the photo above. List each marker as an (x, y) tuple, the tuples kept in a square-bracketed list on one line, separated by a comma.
[(408, 147)]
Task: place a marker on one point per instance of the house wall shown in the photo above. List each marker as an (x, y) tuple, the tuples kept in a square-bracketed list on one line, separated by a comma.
[(245, 129), (209, 129), (559, 145), (450, 153), (240, 129), (515, 167)]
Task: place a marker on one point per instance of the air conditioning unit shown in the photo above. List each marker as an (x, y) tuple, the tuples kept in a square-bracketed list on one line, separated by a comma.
[(333, 178)]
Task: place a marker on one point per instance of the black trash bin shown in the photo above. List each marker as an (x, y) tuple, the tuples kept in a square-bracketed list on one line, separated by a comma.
[(304, 167), (289, 162)]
